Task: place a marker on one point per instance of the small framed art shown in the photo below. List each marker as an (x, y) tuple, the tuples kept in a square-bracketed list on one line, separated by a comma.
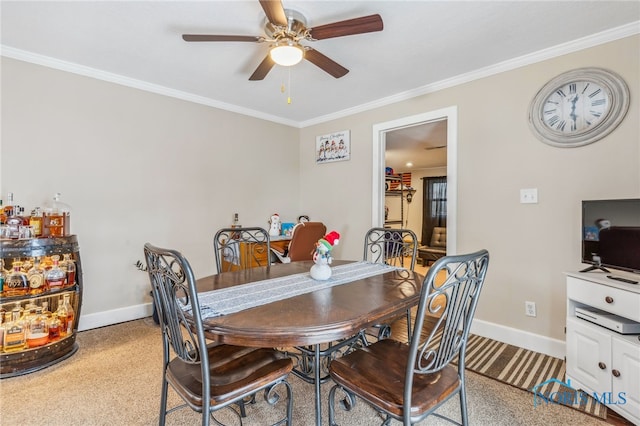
[(333, 147)]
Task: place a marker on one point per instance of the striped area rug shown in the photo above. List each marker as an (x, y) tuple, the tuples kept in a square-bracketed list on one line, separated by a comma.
[(526, 369)]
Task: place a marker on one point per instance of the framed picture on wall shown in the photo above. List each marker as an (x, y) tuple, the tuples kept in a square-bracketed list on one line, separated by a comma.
[(333, 147)]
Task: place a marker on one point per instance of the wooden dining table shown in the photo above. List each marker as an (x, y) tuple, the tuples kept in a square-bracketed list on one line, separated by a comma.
[(313, 318)]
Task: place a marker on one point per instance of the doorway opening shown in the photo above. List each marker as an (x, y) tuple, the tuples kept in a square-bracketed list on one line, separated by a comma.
[(380, 131)]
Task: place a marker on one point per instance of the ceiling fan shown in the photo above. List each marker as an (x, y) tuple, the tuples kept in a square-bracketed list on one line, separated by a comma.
[(285, 29)]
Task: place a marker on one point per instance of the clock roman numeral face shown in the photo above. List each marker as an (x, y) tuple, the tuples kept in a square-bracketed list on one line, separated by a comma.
[(578, 107), (575, 107)]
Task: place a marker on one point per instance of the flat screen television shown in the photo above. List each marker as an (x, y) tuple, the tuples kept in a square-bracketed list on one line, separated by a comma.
[(611, 234)]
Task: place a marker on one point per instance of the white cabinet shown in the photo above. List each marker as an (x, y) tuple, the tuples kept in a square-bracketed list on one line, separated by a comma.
[(626, 373), (600, 360), (588, 347)]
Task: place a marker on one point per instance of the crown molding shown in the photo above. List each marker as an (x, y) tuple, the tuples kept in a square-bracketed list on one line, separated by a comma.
[(511, 64), (74, 68)]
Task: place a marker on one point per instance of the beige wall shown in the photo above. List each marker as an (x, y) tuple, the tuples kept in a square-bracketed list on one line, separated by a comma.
[(140, 167), (531, 245)]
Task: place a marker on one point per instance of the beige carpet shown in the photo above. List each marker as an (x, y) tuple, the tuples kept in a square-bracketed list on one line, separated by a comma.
[(114, 379)]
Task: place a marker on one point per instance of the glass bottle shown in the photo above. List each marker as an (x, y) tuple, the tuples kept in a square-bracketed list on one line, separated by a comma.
[(65, 210), (37, 329), (15, 337), (57, 218), (3, 218), (55, 277), (25, 218), (26, 265), (35, 220), (2, 327), (45, 309), (6, 319), (235, 224), (54, 327), (20, 309), (9, 204), (28, 311), (69, 267), (66, 315), (61, 315), (35, 275), (3, 276), (46, 263), (14, 221), (16, 283), (71, 315)]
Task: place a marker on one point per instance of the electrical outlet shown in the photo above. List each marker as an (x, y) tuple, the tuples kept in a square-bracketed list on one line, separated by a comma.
[(529, 196), (530, 309)]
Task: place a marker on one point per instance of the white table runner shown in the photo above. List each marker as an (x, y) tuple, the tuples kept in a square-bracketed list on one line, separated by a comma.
[(225, 301)]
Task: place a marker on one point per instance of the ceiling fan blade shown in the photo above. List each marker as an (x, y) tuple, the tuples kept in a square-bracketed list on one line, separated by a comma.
[(263, 69), (207, 37), (274, 11), (324, 63), (364, 24)]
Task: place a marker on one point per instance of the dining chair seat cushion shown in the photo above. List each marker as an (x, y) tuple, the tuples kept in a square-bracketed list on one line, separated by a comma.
[(376, 373), (235, 371)]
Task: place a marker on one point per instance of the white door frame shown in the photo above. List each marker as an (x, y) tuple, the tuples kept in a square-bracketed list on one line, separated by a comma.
[(379, 147)]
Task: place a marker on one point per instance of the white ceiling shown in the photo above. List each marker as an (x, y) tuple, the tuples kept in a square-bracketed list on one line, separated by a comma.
[(423, 145), (425, 45)]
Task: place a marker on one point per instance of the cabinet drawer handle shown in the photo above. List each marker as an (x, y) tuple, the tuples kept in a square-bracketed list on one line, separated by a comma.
[(602, 365), (616, 373), (608, 299)]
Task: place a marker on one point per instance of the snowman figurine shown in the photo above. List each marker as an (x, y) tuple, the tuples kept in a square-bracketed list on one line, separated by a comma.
[(322, 256), (274, 229)]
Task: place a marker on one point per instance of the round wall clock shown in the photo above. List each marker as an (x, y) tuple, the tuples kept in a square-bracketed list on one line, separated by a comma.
[(579, 107)]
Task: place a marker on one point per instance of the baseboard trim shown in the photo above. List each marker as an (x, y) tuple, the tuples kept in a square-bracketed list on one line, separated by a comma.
[(512, 336), (519, 338), (114, 316)]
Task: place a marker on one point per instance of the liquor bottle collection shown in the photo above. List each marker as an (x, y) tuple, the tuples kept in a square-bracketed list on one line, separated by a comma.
[(53, 220), (31, 325), (36, 307), (28, 323)]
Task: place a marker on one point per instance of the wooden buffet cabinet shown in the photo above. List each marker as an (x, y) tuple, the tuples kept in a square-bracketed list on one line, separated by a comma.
[(598, 359), (251, 255), (56, 349)]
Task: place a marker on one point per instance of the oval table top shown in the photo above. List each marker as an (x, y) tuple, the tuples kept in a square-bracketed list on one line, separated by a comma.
[(317, 317)]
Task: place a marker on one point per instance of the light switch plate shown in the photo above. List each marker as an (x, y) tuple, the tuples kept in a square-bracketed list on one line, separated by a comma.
[(529, 196)]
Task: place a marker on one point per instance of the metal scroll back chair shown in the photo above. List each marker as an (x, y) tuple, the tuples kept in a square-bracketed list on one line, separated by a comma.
[(303, 242), (206, 377), (395, 247), (241, 248), (409, 382)]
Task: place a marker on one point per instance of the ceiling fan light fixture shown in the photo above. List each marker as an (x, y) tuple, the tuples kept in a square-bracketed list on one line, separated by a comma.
[(287, 54)]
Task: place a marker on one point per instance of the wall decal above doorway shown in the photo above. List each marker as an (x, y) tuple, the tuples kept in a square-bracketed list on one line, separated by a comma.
[(332, 147)]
